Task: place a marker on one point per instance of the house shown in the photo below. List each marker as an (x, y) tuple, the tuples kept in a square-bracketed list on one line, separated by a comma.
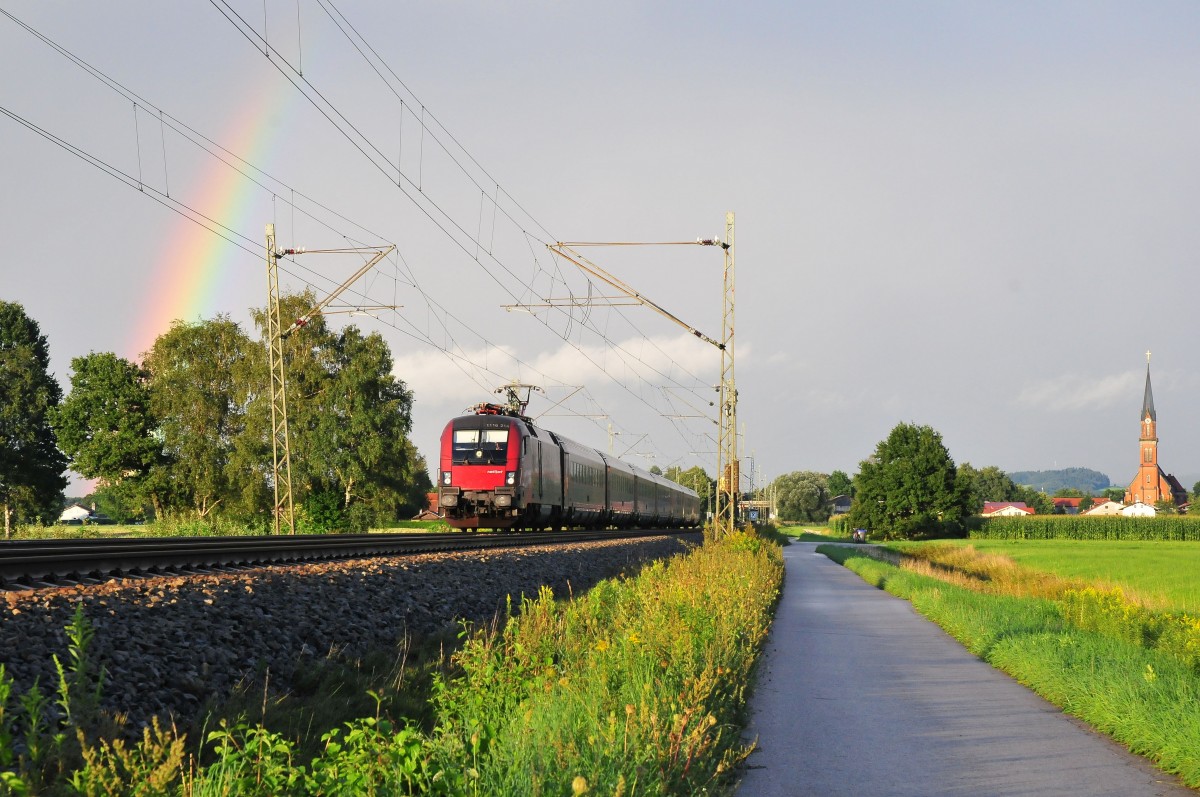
[(1138, 509), (840, 504), (75, 513), (1105, 508), (1066, 506), (1006, 509), (430, 511)]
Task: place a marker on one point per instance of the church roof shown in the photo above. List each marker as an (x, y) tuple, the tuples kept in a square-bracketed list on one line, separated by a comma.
[(1148, 399), (1176, 487)]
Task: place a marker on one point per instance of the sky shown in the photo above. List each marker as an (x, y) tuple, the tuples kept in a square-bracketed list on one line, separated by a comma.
[(973, 216)]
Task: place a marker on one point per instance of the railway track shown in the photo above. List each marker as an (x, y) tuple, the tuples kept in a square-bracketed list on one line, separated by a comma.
[(40, 564)]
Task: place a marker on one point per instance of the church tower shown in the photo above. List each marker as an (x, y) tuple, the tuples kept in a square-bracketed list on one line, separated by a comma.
[(1152, 484), (1147, 476)]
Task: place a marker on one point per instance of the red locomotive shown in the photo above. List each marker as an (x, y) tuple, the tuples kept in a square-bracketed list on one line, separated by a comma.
[(498, 470)]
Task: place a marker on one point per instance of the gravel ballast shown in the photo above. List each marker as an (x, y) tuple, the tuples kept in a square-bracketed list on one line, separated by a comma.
[(170, 644)]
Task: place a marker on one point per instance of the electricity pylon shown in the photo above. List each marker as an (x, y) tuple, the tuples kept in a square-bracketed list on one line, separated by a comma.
[(281, 448)]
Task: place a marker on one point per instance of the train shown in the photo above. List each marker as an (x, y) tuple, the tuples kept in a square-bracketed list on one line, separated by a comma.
[(498, 470)]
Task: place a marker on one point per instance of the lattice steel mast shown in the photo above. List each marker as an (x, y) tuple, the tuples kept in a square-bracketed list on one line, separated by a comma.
[(281, 449), (728, 467)]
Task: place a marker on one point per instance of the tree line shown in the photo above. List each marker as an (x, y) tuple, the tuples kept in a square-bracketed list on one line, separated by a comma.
[(908, 487), (188, 431)]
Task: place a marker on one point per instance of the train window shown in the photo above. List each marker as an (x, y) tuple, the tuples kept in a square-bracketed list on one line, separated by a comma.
[(480, 446)]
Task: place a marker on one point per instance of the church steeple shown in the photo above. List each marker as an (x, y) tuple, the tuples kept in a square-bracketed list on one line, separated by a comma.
[(1152, 484), (1148, 486), (1148, 399)]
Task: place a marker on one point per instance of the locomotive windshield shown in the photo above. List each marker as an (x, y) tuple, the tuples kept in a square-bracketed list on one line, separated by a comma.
[(480, 446)]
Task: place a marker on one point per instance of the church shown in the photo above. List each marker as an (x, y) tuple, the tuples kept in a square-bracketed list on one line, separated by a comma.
[(1152, 484)]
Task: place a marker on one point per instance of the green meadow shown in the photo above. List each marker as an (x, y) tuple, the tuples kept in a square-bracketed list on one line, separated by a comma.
[(1163, 574)]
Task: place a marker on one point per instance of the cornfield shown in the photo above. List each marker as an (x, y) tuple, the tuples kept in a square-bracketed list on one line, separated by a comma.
[(1088, 527)]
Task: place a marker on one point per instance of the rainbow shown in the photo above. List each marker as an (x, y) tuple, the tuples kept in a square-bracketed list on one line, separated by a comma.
[(200, 274)]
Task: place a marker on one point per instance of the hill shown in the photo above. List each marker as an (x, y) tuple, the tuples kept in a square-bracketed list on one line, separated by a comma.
[(1050, 481)]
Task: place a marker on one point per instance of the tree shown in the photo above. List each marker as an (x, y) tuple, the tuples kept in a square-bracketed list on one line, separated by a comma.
[(992, 484), (361, 430), (988, 484), (802, 496), (199, 391), (840, 484), (694, 478), (1042, 504), (104, 425), (1086, 503), (31, 466), (416, 496), (352, 462), (1115, 493), (909, 487)]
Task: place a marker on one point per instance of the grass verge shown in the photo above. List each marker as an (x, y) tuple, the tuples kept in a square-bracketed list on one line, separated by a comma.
[(1146, 699), (813, 533)]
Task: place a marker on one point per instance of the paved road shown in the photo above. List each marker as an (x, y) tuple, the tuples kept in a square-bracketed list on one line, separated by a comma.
[(859, 695)]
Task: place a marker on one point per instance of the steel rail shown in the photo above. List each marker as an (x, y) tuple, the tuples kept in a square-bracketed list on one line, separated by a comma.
[(30, 564)]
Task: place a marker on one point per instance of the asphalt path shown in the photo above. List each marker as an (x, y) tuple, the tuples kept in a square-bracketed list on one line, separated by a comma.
[(860, 695)]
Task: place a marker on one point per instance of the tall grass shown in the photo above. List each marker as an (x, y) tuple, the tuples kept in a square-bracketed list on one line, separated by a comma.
[(1159, 573), (1083, 651), (1100, 607), (633, 688)]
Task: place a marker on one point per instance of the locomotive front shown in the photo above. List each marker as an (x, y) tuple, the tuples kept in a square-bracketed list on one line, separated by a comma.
[(479, 471)]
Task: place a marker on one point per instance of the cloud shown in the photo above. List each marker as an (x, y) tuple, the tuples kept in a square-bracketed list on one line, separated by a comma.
[(1071, 392), (436, 377)]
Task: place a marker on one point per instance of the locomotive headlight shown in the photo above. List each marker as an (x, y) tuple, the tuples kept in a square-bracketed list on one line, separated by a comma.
[(446, 478), (510, 478)]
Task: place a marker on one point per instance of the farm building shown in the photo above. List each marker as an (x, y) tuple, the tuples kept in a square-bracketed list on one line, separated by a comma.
[(1006, 509)]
